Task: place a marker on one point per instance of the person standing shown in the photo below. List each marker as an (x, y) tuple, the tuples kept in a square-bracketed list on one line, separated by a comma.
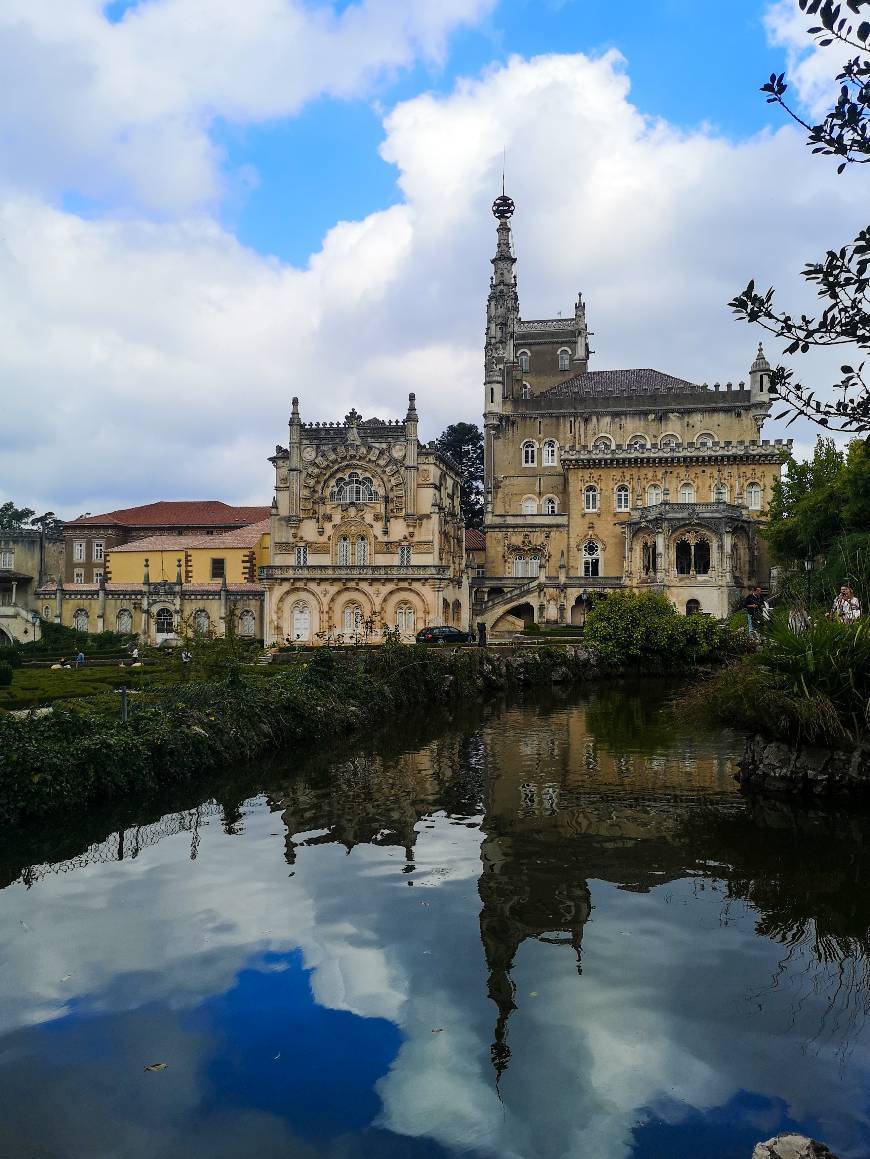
[(754, 607), (846, 609), (481, 634)]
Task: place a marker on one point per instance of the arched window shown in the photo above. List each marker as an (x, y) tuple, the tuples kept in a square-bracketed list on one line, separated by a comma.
[(524, 359), (653, 494), (623, 498), (638, 443), (247, 624), (201, 622), (124, 621), (527, 390), (405, 621), (520, 566), (701, 557), (355, 488), (693, 607), (530, 456), (80, 620), (648, 557), (301, 621), (534, 565), (753, 496), (46, 613), (591, 559), (590, 498), (530, 505), (343, 550), (550, 506), (564, 359), (550, 453), (602, 444), (163, 622), (352, 620), (683, 557), (687, 493), (669, 442), (361, 552), (704, 440), (720, 493)]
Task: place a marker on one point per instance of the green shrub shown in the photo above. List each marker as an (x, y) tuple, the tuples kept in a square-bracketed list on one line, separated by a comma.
[(5, 674), (630, 630), (11, 655)]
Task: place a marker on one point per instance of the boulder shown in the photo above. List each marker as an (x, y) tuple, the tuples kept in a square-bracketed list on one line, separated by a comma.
[(789, 1146)]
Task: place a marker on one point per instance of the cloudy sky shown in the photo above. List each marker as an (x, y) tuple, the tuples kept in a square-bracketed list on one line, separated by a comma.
[(208, 206)]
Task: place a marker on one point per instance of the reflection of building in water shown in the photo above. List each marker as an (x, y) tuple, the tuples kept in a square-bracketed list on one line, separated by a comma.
[(523, 898)]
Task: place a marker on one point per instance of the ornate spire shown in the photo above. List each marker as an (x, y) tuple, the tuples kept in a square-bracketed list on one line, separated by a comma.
[(760, 362), (503, 307)]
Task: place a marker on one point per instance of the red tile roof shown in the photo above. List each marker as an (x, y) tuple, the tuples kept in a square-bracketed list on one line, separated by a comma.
[(474, 540), (177, 513), (248, 536)]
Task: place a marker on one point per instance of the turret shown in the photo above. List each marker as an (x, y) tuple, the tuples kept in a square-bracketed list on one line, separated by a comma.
[(294, 459), (411, 456), (760, 389), (502, 311)]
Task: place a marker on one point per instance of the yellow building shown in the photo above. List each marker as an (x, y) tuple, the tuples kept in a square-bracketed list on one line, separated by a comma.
[(366, 533), (600, 479), (164, 586)]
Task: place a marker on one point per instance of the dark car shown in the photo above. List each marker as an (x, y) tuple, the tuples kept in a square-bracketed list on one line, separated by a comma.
[(443, 635)]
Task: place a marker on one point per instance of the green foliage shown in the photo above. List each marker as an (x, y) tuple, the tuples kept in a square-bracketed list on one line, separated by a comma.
[(11, 655), (14, 518), (629, 629), (5, 674), (812, 685), (463, 442)]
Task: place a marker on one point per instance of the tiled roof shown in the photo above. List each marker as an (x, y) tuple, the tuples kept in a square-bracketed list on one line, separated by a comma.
[(189, 589), (474, 540), (624, 382), (240, 537), (177, 513)]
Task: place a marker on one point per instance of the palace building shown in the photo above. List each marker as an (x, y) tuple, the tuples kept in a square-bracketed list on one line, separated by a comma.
[(604, 479), (366, 533)]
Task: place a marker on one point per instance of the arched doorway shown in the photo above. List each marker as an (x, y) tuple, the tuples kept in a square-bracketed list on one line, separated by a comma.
[(693, 607), (300, 622)]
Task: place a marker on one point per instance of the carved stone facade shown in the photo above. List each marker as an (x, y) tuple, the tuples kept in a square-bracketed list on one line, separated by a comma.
[(366, 533), (602, 479)]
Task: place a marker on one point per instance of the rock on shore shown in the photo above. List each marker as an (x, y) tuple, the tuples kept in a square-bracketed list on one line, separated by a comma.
[(788, 1146), (771, 766)]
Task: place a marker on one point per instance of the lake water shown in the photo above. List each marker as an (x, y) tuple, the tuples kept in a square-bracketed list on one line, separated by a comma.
[(545, 929)]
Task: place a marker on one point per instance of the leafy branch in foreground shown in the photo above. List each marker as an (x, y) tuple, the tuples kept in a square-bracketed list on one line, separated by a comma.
[(842, 277)]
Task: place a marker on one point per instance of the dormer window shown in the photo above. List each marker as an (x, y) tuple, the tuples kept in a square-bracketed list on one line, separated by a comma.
[(564, 359), (669, 442), (355, 488), (602, 444), (638, 443), (524, 359)]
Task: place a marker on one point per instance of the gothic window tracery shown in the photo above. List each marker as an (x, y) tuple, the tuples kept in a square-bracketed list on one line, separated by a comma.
[(80, 620), (343, 550), (551, 507), (201, 622), (591, 559), (163, 622), (648, 557), (354, 488), (301, 621), (361, 551), (124, 621), (405, 620), (352, 620), (247, 624)]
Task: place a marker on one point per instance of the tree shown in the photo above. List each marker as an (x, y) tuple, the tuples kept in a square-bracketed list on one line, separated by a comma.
[(842, 276), (14, 518), (463, 442)]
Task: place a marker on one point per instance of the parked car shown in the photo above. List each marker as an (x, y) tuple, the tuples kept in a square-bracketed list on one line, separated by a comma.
[(443, 635)]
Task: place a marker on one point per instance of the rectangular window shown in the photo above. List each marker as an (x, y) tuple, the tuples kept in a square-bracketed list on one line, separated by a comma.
[(99, 550), (534, 566), (79, 551), (98, 575), (520, 567), (405, 555), (623, 499), (5, 597), (79, 575), (218, 569), (302, 556), (7, 559)]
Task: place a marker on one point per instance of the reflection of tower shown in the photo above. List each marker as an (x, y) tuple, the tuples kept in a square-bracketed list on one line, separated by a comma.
[(529, 889)]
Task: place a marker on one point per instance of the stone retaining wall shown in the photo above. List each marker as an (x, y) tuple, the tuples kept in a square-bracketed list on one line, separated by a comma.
[(770, 766)]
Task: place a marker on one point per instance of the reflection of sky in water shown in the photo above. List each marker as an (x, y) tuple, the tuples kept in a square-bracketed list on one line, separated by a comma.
[(340, 1007)]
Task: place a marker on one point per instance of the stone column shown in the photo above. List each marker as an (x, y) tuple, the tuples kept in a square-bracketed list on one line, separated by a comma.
[(58, 600), (146, 604), (222, 612), (294, 473), (101, 605), (661, 557)]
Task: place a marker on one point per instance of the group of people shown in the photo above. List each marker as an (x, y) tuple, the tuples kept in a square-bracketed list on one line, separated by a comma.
[(846, 609), (76, 662)]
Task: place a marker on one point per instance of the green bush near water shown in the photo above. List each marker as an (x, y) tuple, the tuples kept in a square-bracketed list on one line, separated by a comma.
[(811, 686), (644, 631)]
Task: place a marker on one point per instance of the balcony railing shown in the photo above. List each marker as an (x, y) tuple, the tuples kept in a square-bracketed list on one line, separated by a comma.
[(342, 570)]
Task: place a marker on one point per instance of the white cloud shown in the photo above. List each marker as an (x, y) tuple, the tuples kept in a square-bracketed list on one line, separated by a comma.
[(156, 359), (123, 110), (810, 68)]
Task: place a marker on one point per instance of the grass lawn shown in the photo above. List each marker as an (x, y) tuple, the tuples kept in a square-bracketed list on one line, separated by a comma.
[(37, 686)]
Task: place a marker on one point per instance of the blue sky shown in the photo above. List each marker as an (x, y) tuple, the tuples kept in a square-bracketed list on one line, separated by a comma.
[(209, 206), (324, 166)]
